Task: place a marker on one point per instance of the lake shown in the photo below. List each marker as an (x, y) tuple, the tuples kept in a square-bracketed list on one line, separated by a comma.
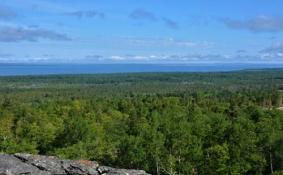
[(46, 69)]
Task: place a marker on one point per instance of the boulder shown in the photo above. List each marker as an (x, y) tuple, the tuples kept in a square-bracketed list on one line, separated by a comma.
[(10, 165), (28, 164), (43, 163)]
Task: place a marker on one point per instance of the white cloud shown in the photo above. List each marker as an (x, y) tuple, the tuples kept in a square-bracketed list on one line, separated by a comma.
[(169, 42), (274, 52), (117, 58)]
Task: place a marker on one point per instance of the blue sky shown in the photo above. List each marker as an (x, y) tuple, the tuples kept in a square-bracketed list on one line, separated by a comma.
[(141, 31)]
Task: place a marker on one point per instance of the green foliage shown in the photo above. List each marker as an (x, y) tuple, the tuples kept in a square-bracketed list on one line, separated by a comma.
[(174, 124)]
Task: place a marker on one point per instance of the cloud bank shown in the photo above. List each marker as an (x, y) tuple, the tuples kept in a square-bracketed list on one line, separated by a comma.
[(142, 14), (16, 34), (86, 14), (274, 51), (145, 15), (258, 24)]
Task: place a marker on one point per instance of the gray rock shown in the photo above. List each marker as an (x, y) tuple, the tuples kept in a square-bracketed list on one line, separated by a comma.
[(60, 167), (113, 171), (10, 165), (80, 167), (27, 164), (45, 163)]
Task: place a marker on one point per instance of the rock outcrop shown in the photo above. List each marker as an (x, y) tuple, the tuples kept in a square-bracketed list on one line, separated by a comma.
[(26, 164)]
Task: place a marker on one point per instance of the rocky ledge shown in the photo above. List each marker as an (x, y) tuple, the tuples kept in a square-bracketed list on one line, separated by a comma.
[(26, 164)]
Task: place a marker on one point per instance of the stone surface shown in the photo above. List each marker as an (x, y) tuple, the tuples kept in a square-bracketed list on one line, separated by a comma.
[(27, 164), (10, 165), (80, 167), (113, 171), (44, 163)]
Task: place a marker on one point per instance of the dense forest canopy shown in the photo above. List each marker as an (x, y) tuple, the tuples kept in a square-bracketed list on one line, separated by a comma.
[(164, 123)]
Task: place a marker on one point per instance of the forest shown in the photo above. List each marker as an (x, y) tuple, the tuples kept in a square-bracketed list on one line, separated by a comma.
[(215, 123)]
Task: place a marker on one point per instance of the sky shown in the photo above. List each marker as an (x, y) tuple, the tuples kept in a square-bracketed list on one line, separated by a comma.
[(141, 31)]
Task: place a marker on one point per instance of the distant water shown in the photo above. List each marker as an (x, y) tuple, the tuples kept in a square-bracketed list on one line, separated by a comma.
[(45, 69)]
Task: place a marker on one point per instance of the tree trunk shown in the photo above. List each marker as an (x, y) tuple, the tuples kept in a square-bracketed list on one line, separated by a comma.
[(157, 168), (270, 161)]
